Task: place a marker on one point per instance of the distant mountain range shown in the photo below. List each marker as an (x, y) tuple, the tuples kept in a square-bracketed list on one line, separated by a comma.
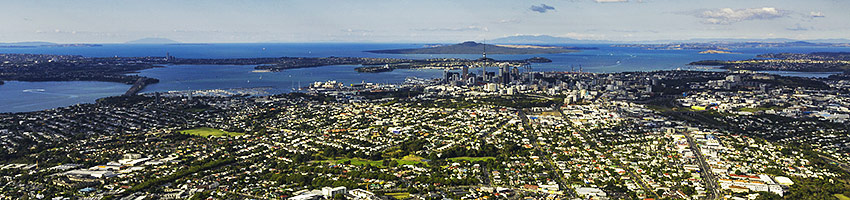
[(518, 39), (42, 44), (547, 39), (33, 43), (153, 41), (478, 48)]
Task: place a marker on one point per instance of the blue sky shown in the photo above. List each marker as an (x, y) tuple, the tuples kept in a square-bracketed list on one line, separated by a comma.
[(111, 21)]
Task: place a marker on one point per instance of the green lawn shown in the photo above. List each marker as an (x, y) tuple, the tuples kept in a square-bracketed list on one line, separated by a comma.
[(356, 161), (841, 197), (472, 159), (400, 195), (206, 131), (407, 160), (410, 160)]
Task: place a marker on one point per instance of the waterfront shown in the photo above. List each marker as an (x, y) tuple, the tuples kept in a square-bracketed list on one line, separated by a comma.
[(205, 77), (604, 59)]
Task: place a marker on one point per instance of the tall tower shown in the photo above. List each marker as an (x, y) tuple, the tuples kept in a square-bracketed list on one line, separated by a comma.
[(484, 66)]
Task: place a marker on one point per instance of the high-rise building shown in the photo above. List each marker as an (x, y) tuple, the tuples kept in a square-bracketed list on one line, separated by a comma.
[(465, 72), (504, 75), (514, 74)]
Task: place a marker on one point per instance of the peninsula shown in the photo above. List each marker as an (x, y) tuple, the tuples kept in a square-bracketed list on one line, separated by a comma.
[(471, 47), (811, 62), (41, 67)]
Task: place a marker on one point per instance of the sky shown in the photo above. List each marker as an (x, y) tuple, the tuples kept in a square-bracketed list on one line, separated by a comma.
[(245, 21)]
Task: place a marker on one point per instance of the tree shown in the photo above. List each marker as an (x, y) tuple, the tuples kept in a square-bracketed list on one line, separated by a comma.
[(768, 196)]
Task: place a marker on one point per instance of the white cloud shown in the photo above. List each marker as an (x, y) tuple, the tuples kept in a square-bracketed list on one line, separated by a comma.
[(798, 27), (611, 1), (350, 30), (729, 15), (508, 21)]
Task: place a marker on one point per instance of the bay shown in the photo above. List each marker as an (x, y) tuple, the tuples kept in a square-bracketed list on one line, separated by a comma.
[(603, 59), (19, 96)]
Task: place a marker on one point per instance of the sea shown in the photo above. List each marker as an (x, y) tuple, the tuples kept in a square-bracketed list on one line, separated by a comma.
[(20, 96)]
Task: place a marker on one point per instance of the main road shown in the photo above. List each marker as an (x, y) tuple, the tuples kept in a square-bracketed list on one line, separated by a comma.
[(705, 170)]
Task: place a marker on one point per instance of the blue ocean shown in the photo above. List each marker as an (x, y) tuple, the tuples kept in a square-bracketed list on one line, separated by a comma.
[(17, 96)]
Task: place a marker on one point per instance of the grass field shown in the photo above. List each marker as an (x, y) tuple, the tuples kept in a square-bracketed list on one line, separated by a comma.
[(472, 159), (400, 195), (407, 160), (410, 160), (841, 197), (205, 131), (356, 161)]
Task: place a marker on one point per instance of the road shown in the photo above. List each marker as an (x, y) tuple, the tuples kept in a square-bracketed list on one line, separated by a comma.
[(137, 86), (705, 170), (840, 164), (247, 196), (638, 179), (547, 156)]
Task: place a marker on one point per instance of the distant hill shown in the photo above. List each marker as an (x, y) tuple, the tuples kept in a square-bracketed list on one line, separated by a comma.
[(829, 41), (153, 41), (25, 44), (43, 44), (478, 48), (33, 43), (545, 39), (719, 40)]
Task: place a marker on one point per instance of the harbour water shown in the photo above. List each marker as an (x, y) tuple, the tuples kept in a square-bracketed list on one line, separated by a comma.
[(16, 96)]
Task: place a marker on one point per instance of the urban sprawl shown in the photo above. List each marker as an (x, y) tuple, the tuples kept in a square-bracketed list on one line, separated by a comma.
[(507, 133)]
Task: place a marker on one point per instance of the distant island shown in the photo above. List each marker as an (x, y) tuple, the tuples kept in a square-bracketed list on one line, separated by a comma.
[(715, 52), (43, 67), (724, 46), (445, 63), (546, 39), (153, 41), (43, 44), (478, 48)]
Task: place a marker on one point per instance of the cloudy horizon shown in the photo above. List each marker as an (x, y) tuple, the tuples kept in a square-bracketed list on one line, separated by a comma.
[(103, 21)]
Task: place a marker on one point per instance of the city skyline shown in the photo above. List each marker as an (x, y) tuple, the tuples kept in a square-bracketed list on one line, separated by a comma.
[(418, 21)]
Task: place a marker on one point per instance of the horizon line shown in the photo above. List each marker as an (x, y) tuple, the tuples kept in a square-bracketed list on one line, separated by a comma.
[(580, 41)]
